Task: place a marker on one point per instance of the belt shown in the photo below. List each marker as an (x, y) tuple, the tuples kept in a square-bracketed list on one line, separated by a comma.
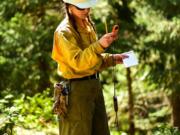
[(94, 76)]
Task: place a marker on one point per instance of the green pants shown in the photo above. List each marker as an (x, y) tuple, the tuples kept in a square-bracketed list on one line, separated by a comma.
[(86, 110)]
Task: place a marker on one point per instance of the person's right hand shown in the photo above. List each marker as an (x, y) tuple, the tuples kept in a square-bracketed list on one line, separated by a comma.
[(107, 39)]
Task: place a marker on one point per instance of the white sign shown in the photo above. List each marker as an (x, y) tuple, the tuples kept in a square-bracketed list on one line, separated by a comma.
[(131, 60)]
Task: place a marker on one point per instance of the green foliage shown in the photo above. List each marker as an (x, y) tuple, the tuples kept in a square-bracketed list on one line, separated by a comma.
[(151, 28), (8, 115), (37, 110), (28, 112), (26, 35), (116, 12), (118, 133), (159, 40), (165, 130), (151, 107)]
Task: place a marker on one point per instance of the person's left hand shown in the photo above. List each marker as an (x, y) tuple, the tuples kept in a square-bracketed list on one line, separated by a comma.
[(118, 58)]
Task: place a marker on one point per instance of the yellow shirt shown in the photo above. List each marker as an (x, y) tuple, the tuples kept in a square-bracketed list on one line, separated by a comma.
[(78, 54)]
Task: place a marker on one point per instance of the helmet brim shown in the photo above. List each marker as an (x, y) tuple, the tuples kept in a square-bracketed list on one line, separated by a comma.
[(89, 4)]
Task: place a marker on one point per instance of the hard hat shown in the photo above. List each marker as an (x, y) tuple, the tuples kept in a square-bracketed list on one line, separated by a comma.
[(81, 3)]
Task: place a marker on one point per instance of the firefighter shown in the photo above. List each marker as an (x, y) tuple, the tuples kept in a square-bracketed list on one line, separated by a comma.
[(80, 56)]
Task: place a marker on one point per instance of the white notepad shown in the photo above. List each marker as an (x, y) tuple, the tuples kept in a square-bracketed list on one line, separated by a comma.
[(131, 60)]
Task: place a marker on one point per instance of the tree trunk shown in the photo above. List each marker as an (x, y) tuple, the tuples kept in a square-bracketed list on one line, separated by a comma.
[(175, 103), (131, 104)]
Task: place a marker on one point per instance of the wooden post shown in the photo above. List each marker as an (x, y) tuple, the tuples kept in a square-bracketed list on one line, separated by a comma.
[(130, 103)]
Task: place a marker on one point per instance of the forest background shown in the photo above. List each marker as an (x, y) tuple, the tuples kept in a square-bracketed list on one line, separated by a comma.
[(148, 94)]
